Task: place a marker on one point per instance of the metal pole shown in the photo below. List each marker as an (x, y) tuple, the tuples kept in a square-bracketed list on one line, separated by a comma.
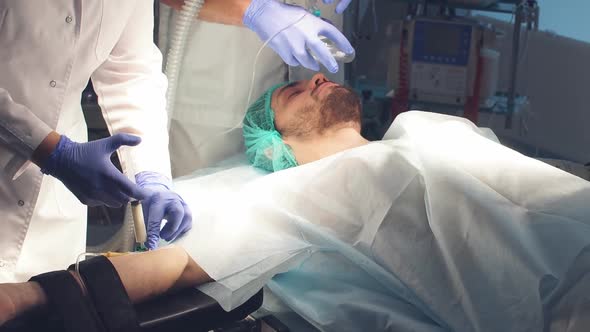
[(350, 27), (514, 66), (157, 22), (537, 16)]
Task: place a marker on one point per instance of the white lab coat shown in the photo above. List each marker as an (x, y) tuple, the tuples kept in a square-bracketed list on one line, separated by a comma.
[(48, 51)]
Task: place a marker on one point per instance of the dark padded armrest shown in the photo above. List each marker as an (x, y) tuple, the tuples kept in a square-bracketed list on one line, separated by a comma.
[(190, 310), (185, 310)]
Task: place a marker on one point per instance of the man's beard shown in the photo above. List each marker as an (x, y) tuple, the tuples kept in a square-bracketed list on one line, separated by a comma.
[(341, 106)]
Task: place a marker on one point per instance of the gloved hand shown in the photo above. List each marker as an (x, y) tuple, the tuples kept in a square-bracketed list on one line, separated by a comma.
[(162, 203), (87, 171), (341, 5), (269, 17)]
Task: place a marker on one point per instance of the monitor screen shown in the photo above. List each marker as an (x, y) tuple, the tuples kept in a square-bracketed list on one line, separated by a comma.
[(442, 40)]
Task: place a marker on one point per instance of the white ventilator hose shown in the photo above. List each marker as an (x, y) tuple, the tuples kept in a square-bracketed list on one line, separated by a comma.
[(123, 239), (189, 11)]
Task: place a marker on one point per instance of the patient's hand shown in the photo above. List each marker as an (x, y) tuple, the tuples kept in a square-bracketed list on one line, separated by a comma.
[(7, 308), (18, 298)]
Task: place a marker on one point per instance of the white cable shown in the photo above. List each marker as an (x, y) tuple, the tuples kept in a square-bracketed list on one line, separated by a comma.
[(190, 10), (375, 19), (522, 66), (252, 81), (84, 254)]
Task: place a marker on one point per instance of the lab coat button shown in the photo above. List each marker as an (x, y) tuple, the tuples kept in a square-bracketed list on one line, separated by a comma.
[(69, 19), (53, 84), (21, 203)]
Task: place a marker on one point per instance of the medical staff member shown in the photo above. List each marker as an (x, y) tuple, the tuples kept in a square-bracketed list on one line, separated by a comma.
[(48, 52), (218, 63)]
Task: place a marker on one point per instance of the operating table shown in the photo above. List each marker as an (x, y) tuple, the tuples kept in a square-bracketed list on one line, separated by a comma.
[(186, 310)]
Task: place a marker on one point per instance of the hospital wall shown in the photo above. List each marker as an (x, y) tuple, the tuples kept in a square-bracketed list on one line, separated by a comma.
[(554, 74)]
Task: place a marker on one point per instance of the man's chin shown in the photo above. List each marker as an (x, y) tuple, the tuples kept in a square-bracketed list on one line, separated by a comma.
[(342, 105)]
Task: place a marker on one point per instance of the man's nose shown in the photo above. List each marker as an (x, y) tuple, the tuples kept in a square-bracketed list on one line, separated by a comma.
[(316, 80)]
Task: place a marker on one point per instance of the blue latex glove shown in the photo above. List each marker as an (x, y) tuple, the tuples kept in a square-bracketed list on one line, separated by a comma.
[(269, 17), (342, 5), (162, 203), (87, 171)]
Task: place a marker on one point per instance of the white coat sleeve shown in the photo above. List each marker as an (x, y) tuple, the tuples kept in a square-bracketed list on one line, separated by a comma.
[(131, 90), (21, 132)]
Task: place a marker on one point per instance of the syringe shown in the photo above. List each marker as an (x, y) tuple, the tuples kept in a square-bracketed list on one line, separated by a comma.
[(139, 225)]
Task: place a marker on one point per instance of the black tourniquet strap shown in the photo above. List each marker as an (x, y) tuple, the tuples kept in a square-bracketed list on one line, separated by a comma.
[(67, 303), (110, 298)]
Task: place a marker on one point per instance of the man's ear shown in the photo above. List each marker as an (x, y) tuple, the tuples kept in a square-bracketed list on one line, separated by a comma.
[(268, 153), (288, 141), (291, 143)]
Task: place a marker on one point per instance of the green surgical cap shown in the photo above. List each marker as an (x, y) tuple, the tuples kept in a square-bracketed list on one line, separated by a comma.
[(265, 147)]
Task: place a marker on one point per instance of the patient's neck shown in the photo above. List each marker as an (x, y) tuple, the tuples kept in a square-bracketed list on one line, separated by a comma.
[(326, 144)]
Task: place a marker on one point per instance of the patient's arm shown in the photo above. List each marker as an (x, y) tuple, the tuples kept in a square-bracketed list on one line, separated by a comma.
[(151, 273), (18, 298), (228, 12), (144, 275)]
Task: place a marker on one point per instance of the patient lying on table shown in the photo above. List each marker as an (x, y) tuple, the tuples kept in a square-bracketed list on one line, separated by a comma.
[(297, 123), (436, 228)]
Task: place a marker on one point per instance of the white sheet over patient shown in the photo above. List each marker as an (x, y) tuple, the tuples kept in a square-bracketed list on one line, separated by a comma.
[(459, 233)]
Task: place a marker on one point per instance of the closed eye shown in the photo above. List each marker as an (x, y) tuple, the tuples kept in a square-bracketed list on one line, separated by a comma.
[(295, 93)]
